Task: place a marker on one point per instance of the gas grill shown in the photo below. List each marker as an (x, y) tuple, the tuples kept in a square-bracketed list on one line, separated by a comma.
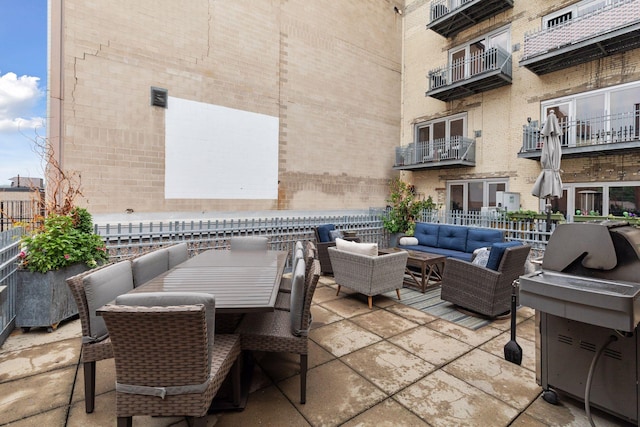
[(587, 301)]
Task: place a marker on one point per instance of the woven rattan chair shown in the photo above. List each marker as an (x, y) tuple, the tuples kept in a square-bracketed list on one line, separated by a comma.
[(249, 243), (178, 254), (322, 248), (298, 253), (92, 350), (149, 265), (480, 289), (283, 299), (168, 360), (369, 275), (282, 331)]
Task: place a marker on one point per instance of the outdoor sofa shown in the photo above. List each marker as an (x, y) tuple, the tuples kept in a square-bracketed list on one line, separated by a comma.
[(454, 241)]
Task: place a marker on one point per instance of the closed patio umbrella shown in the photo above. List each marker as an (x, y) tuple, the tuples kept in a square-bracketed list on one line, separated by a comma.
[(549, 183)]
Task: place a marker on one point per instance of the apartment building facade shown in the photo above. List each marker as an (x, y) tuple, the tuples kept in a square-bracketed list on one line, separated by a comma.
[(250, 105), (479, 79)]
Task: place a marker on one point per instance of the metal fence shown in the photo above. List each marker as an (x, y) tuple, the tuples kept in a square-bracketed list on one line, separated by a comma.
[(19, 211), (124, 240)]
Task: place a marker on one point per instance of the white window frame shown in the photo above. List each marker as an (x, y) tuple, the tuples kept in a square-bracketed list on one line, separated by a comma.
[(485, 190), (487, 38)]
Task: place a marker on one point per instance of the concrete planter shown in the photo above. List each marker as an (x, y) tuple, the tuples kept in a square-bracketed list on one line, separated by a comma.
[(44, 299)]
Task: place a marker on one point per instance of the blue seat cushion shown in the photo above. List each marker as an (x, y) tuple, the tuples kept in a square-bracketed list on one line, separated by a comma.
[(482, 237), (440, 251), (323, 232), (452, 237), (497, 250), (427, 234)]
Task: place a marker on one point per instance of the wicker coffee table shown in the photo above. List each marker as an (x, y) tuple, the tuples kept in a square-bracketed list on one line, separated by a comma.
[(431, 266)]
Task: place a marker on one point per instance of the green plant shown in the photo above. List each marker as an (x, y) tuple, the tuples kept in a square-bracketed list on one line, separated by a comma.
[(403, 207), (62, 240)]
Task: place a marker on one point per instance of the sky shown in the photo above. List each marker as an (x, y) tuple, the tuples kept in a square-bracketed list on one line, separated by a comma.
[(23, 86)]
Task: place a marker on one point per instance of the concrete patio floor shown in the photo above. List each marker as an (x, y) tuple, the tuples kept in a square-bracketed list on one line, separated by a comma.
[(390, 366)]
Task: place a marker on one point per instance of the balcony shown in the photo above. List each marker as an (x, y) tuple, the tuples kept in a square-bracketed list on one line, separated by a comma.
[(612, 134), (449, 17), (474, 74), (443, 153), (611, 29)]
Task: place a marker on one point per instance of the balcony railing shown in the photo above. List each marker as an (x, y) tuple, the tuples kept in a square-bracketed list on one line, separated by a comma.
[(604, 31), (587, 135), (476, 73), (446, 152), (449, 17)]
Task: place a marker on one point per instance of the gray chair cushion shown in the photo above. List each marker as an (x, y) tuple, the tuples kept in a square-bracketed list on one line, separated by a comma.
[(165, 299), (297, 298), (177, 254), (150, 265), (249, 243), (102, 287)]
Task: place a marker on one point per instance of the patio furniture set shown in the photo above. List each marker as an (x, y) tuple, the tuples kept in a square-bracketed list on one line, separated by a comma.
[(167, 320), (475, 267)]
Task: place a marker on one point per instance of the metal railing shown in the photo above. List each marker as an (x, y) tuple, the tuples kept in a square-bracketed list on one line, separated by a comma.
[(424, 152), (478, 63), (440, 8), (596, 23), (583, 131), (126, 240)]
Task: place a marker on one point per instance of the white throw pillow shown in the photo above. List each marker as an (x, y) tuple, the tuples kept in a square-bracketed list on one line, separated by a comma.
[(481, 256), (408, 241), (370, 249)]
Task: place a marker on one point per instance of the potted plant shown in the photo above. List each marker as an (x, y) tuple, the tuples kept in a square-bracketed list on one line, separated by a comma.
[(59, 245), (403, 209)]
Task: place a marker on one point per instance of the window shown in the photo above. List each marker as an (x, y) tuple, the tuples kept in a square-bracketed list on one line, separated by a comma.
[(601, 116), (435, 138), (479, 55), (472, 195), (576, 10), (600, 198)]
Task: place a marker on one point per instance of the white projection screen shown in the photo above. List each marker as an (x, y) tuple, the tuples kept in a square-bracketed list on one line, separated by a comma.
[(214, 152)]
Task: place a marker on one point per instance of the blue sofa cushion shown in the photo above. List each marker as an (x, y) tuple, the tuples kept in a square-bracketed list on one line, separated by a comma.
[(482, 237), (452, 237), (323, 232), (427, 234), (497, 250), (434, 250)]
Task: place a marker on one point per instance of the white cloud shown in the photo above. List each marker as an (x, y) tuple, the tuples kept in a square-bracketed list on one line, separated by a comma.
[(18, 98)]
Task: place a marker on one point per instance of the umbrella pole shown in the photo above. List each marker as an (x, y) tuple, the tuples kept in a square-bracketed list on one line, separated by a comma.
[(547, 207)]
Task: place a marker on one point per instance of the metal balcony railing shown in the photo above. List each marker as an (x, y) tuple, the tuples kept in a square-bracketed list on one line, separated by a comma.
[(440, 8), (450, 17), (474, 65), (587, 131), (426, 152), (597, 23)]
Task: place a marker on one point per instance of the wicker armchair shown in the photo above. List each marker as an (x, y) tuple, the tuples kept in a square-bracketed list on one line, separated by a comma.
[(169, 362), (285, 331), (322, 247), (480, 289), (92, 350), (369, 275), (249, 243)]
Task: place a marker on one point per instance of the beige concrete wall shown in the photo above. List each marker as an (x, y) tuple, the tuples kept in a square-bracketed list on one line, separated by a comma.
[(330, 71), (501, 113)]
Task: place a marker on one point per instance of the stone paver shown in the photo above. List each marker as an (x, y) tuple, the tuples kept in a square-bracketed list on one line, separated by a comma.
[(430, 345)]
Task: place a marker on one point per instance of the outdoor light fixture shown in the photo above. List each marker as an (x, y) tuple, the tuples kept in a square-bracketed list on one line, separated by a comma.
[(396, 10), (159, 97)]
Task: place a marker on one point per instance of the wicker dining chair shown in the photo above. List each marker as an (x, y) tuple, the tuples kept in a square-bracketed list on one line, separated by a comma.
[(282, 331), (169, 361), (298, 252), (249, 243), (178, 254), (96, 346), (149, 265), (283, 299)]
